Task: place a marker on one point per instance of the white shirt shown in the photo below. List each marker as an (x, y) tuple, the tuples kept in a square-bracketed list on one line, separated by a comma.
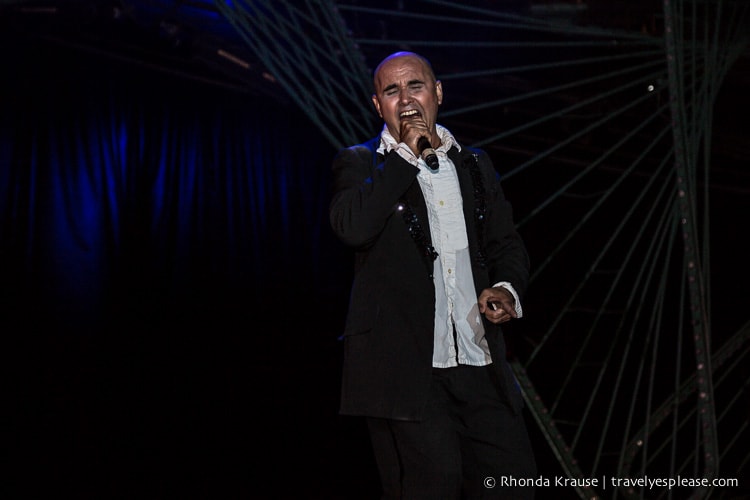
[(455, 297)]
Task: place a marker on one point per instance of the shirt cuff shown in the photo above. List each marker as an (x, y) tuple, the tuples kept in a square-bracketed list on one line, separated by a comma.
[(509, 287)]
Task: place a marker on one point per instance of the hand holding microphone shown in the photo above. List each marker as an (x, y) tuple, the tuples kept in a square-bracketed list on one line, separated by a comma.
[(415, 125)]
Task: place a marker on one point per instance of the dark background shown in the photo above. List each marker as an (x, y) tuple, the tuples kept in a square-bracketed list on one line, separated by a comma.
[(164, 352), (171, 292), (158, 354)]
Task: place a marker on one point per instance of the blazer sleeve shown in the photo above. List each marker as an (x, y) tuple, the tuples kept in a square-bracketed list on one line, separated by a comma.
[(364, 192)]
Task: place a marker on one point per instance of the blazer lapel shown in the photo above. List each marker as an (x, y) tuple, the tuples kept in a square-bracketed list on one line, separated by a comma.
[(474, 199)]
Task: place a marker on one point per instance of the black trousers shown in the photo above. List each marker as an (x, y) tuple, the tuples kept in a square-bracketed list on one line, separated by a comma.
[(468, 446)]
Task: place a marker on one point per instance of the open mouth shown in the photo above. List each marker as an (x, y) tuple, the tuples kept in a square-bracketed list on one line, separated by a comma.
[(409, 114)]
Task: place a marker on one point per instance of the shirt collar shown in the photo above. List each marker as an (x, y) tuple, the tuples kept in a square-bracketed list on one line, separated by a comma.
[(388, 143)]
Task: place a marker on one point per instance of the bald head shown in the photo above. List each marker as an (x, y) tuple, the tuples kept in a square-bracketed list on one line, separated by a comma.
[(399, 57)]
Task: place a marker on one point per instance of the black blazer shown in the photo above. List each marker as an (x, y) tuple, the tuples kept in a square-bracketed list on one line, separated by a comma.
[(377, 208)]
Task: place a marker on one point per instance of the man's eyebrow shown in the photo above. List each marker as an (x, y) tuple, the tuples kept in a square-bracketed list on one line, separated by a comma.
[(409, 84), (390, 87)]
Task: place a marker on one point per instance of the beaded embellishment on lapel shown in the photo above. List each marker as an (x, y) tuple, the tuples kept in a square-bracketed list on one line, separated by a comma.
[(480, 211), (480, 204), (416, 231)]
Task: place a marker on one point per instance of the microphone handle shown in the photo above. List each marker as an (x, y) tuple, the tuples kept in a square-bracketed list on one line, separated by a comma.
[(427, 153)]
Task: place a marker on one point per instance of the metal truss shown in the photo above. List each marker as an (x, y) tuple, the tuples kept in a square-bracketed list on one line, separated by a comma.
[(601, 126)]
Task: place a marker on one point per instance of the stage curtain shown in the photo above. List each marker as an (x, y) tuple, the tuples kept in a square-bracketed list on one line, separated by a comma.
[(134, 194)]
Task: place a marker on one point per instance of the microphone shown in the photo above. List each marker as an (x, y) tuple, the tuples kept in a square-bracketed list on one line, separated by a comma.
[(427, 153)]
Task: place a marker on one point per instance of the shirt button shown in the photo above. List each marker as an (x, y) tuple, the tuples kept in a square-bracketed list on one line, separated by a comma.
[(441, 203), (450, 271)]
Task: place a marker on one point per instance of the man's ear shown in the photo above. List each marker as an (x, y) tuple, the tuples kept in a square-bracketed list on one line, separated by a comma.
[(439, 91), (376, 103)]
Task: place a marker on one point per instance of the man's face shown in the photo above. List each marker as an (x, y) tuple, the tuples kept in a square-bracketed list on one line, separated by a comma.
[(405, 88)]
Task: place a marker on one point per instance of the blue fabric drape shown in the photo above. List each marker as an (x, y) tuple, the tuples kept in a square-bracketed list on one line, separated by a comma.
[(132, 192), (169, 287)]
